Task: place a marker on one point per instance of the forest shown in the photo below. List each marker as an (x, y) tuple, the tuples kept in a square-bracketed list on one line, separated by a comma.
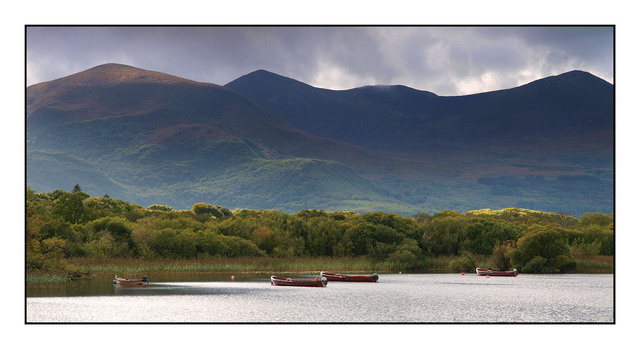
[(63, 225)]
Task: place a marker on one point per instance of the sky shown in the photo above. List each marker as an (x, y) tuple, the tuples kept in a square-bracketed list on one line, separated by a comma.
[(446, 60)]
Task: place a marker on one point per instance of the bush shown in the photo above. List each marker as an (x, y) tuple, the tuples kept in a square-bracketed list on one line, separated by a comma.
[(443, 235), (464, 263), (214, 244), (403, 258), (161, 208), (118, 227), (558, 264), (537, 265), (500, 258), (213, 210), (563, 264), (542, 250)]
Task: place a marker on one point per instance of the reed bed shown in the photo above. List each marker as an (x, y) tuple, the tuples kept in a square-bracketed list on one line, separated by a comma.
[(204, 267), (111, 267), (42, 279), (595, 265)]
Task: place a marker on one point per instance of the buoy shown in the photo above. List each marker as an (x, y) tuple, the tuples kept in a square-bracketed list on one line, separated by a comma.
[(399, 272), (233, 277), (462, 274), (487, 276)]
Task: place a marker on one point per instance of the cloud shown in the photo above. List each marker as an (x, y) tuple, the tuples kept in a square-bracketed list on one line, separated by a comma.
[(443, 60)]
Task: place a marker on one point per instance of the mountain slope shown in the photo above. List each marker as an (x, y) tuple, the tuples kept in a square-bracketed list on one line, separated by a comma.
[(149, 137), (160, 136), (571, 113), (559, 128)]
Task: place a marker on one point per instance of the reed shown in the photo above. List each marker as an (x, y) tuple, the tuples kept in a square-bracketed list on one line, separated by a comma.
[(266, 265), (41, 279), (595, 265), (131, 267)]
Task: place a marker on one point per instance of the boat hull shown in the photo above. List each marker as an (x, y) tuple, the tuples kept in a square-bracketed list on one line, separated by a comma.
[(489, 272), (350, 278), (131, 282), (280, 281)]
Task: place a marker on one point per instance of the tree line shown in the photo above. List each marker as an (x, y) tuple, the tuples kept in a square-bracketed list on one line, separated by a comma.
[(64, 224)]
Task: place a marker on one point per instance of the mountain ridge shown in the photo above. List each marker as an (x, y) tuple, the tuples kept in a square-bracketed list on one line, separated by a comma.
[(518, 115), (283, 144)]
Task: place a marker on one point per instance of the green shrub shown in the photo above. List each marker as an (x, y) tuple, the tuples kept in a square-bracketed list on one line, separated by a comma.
[(542, 250), (213, 210), (161, 208), (537, 265), (558, 264), (403, 258), (500, 258), (464, 263), (563, 264)]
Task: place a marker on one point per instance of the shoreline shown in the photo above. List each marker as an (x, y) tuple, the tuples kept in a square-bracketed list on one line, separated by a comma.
[(78, 268)]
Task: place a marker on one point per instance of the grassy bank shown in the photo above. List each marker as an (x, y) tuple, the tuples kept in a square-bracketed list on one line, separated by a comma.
[(223, 265), (167, 268), (181, 268)]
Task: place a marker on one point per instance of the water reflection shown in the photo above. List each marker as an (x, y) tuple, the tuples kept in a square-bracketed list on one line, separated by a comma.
[(395, 298), (161, 286)]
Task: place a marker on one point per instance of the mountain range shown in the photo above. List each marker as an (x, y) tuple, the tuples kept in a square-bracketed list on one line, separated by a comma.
[(268, 141)]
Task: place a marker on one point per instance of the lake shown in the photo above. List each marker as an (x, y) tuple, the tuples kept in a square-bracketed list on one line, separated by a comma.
[(395, 298)]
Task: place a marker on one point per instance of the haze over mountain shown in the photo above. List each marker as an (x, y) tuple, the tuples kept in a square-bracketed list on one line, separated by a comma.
[(267, 141)]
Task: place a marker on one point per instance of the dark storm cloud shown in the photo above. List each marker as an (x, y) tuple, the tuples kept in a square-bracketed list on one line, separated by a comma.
[(444, 60)]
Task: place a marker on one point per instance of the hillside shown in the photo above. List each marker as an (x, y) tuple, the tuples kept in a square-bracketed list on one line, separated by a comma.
[(571, 114), (266, 141), (157, 138)]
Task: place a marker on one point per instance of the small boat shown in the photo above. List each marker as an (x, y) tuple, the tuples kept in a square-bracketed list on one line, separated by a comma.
[(350, 278), (280, 281), (131, 282), (489, 272)]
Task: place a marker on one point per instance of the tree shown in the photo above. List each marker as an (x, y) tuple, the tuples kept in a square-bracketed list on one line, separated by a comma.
[(119, 228), (443, 235), (70, 207), (500, 258), (407, 254), (213, 210), (162, 208), (596, 218), (542, 250)]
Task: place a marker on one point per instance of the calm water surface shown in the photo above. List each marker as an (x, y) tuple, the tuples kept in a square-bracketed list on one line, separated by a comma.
[(395, 298)]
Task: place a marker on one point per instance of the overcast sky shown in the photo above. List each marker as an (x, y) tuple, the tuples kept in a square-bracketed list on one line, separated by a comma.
[(443, 60)]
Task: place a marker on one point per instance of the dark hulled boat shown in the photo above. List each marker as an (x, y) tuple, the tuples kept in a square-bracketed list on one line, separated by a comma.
[(280, 281), (350, 278), (489, 272)]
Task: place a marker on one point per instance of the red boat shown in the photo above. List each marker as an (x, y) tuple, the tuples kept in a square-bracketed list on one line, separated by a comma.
[(131, 282), (351, 278), (489, 272), (280, 281)]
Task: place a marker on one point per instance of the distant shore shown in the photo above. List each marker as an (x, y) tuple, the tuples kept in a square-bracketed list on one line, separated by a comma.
[(192, 268)]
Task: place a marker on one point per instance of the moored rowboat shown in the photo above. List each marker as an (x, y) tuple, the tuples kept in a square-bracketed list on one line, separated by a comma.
[(280, 281), (131, 282), (350, 278), (489, 272)]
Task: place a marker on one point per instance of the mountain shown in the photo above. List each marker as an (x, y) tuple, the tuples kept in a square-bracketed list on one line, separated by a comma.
[(156, 137), (558, 129), (571, 114), (267, 141)]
